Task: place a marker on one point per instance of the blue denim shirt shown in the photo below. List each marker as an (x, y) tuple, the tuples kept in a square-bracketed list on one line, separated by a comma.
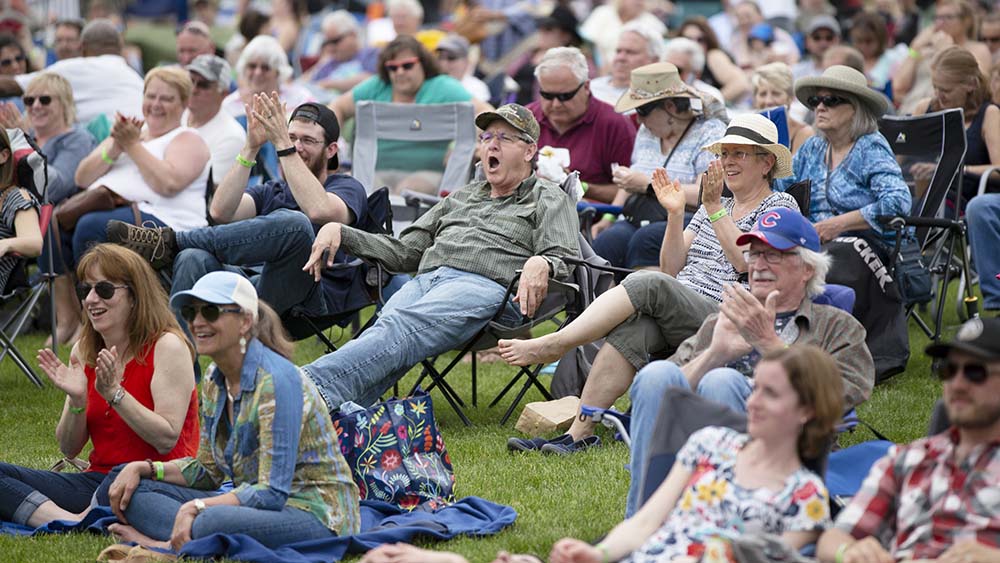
[(868, 179), (64, 153), (280, 448)]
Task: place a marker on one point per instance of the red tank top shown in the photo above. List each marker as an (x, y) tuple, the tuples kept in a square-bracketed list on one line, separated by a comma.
[(114, 441)]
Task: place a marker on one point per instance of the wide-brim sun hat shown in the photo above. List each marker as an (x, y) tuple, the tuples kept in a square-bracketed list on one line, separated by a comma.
[(657, 81), (757, 130), (840, 78)]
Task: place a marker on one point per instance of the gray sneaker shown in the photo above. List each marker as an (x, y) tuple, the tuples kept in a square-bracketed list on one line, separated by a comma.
[(158, 245)]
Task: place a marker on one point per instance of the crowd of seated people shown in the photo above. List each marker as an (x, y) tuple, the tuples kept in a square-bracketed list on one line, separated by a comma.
[(230, 199)]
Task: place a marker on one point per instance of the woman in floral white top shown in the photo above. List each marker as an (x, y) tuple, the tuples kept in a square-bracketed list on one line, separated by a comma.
[(728, 484)]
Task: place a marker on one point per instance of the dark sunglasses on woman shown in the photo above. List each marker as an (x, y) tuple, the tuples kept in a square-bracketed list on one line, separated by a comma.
[(30, 100), (647, 109), (828, 101), (210, 312), (104, 289)]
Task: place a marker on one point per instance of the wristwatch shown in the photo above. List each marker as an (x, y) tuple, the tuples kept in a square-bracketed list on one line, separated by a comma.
[(199, 505), (117, 397), (286, 152)]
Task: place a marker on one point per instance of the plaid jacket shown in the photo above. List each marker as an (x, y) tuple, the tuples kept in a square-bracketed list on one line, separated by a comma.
[(919, 502)]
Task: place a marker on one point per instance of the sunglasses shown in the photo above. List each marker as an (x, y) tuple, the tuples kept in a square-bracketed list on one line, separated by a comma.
[(407, 64), (198, 85), (446, 56), (974, 373), (210, 312), (647, 109), (561, 96), (822, 37), (8, 62), (828, 101), (30, 100), (104, 289)]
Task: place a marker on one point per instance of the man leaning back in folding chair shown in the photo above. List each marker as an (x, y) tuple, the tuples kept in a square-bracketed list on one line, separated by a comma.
[(465, 251)]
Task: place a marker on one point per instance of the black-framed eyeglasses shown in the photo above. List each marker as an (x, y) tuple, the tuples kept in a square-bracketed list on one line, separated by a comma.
[(30, 100), (646, 109), (561, 96), (828, 101), (209, 311), (771, 255), (104, 289), (975, 373), (7, 62), (404, 65), (306, 141)]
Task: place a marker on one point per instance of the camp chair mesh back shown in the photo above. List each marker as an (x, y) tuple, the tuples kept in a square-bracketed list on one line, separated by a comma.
[(937, 137)]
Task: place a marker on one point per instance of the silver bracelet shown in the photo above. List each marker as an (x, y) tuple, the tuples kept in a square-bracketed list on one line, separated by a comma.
[(117, 398)]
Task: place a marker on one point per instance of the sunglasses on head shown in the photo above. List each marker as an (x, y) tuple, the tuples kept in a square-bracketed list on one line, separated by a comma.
[(30, 100), (209, 311), (104, 289), (974, 373), (561, 96), (828, 101), (405, 65), (647, 109)]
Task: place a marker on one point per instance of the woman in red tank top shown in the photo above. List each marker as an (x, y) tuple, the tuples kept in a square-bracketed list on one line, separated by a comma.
[(129, 389)]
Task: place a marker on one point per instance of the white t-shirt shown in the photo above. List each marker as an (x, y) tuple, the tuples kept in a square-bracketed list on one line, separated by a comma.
[(101, 85), (477, 88), (225, 138), (604, 90), (603, 26)]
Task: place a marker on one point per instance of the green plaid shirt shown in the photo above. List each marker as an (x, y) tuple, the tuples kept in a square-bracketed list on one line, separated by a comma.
[(472, 232)]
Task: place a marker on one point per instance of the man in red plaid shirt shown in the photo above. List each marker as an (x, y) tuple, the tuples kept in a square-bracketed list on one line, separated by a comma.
[(938, 497)]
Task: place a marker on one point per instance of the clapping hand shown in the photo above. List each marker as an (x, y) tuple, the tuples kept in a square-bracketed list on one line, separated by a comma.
[(68, 379), (727, 343), (108, 373), (669, 192), (712, 183), (126, 131), (269, 112), (753, 320), (10, 116), (630, 180)]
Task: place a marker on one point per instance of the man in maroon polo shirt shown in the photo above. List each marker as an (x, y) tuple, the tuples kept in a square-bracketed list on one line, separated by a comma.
[(571, 118)]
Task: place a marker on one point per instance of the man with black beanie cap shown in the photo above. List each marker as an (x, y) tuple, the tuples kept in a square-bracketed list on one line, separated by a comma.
[(274, 223)]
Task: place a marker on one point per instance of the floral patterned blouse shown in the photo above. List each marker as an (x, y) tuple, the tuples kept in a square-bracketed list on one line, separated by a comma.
[(712, 504)]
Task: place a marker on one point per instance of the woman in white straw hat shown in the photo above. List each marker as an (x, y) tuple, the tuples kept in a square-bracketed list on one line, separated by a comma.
[(651, 313), (672, 130), (855, 179)]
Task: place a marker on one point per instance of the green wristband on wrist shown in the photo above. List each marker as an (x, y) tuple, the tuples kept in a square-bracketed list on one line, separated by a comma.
[(610, 217), (77, 410), (244, 162), (158, 466), (104, 156), (839, 556), (914, 54), (718, 215)]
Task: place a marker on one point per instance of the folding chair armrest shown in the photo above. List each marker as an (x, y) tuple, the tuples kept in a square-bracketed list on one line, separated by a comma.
[(416, 199), (985, 179), (580, 262), (899, 222)]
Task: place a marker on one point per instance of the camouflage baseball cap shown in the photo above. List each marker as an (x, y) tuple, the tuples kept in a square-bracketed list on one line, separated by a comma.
[(515, 115)]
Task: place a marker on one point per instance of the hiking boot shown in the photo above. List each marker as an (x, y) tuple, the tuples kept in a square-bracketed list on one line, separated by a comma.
[(158, 245), (534, 444), (572, 447)]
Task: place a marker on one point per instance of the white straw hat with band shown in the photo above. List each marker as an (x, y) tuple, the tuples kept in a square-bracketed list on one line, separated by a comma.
[(757, 130), (657, 81), (840, 78)]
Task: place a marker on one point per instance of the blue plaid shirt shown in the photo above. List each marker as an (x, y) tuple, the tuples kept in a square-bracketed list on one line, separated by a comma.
[(868, 179)]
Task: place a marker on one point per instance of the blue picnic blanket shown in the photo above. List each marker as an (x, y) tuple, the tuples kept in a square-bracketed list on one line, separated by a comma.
[(380, 523)]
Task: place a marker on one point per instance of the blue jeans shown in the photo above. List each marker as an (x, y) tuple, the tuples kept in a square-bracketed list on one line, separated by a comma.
[(435, 312), (983, 215), (154, 507), (280, 240), (722, 385), (91, 229), (23, 490), (626, 246)]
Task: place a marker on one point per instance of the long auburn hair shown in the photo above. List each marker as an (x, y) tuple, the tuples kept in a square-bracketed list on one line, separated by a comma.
[(150, 316)]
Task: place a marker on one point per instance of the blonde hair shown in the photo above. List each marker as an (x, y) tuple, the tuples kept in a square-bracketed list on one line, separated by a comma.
[(778, 75), (150, 316), (956, 65), (174, 77), (271, 332), (966, 14), (60, 90)]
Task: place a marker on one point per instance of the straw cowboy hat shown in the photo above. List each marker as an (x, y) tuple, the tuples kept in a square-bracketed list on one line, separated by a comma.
[(844, 79), (757, 130), (657, 81)]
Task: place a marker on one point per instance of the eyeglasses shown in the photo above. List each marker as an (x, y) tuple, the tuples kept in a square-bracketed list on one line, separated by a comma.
[(505, 139), (104, 289), (740, 155), (198, 84), (995, 39), (975, 373), (306, 141), (210, 312), (828, 101), (446, 56), (406, 64), (561, 96), (771, 256), (646, 109), (7, 62), (335, 40), (30, 100), (822, 37), (946, 17), (264, 67)]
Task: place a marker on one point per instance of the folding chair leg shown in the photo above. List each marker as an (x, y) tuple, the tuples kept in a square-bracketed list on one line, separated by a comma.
[(524, 389), (437, 379), (475, 402), (22, 364)]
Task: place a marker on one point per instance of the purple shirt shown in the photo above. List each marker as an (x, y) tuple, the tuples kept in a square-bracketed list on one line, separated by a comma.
[(601, 137)]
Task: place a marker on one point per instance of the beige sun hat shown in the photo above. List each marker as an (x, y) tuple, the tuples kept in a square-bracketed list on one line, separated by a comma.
[(757, 130), (657, 81), (844, 79)]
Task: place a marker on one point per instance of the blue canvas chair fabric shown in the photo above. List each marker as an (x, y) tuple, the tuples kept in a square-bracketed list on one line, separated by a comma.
[(779, 116)]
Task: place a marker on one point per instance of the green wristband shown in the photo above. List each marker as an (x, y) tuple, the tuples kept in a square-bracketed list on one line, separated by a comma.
[(718, 215), (605, 556), (585, 186), (104, 156), (611, 217), (245, 162), (158, 465), (839, 556), (77, 410)]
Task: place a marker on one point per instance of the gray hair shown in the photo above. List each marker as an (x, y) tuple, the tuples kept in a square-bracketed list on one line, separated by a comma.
[(655, 46), (411, 6), (341, 21), (266, 48), (865, 120), (564, 57), (820, 263), (685, 46), (101, 37), (778, 75)]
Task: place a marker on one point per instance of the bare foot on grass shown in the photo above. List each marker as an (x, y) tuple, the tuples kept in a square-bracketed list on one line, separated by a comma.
[(542, 350)]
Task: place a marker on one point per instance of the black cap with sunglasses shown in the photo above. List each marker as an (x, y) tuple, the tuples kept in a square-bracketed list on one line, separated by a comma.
[(977, 337)]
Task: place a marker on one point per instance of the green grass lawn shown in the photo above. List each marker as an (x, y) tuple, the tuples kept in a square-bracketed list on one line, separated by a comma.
[(581, 496)]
